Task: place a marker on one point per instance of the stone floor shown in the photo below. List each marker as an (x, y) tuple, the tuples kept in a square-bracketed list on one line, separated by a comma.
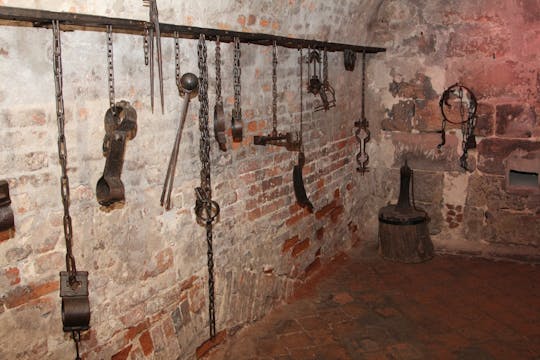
[(363, 307)]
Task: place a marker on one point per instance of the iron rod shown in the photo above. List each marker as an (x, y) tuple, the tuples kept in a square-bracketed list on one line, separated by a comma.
[(73, 21)]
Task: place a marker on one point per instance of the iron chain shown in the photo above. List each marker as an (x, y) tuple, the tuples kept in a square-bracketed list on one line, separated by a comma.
[(236, 80), (204, 193), (71, 267), (301, 60), (219, 100), (177, 73), (274, 89), (146, 46), (110, 67), (325, 67), (362, 126)]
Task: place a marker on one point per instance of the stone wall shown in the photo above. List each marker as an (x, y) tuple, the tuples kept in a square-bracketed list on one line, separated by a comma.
[(148, 276), (492, 48)]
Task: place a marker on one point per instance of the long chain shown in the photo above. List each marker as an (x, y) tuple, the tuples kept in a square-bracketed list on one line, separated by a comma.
[(110, 67), (325, 67), (146, 46), (177, 74), (274, 89), (362, 131), (206, 189), (71, 267), (62, 150), (219, 100), (301, 100), (236, 79)]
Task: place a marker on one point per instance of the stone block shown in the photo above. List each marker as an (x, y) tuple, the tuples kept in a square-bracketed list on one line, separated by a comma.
[(484, 119), (516, 121), (422, 153), (418, 88), (428, 186), (492, 152), (428, 116), (400, 117)]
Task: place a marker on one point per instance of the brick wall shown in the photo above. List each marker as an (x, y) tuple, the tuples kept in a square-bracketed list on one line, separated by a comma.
[(148, 276), (492, 49)]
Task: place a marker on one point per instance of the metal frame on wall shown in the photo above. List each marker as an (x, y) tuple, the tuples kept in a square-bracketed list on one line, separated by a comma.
[(73, 21)]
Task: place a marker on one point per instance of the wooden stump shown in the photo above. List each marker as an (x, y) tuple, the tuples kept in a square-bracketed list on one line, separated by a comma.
[(404, 235)]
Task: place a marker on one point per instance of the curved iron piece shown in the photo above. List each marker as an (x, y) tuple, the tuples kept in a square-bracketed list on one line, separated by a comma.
[(119, 128), (298, 182), (75, 304), (219, 126), (6, 213)]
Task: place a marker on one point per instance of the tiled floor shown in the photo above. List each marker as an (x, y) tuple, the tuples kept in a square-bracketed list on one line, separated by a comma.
[(367, 308)]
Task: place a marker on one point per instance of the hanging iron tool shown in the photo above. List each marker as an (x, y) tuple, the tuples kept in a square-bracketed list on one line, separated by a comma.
[(6, 213), (120, 126), (219, 114), (288, 140), (187, 89), (349, 59), (237, 125), (206, 210), (149, 50), (362, 126), (73, 283), (298, 181), (315, 86), (466, 117)]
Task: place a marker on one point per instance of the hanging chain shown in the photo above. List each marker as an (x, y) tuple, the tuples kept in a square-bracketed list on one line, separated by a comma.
[(206, 210), (219, 100), (325, 68), (62, 150), (236, 79), (274, 89), (177, 74), (71, 267), (301, 100), (146, 46), (362, 131), (111, 67)]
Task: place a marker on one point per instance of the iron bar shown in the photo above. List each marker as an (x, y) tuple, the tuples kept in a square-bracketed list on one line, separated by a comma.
[(73, 21)]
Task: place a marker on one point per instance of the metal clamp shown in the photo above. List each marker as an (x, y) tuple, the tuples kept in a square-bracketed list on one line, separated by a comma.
[(298, 183), (120, 126), (75, 304), (6, 213)]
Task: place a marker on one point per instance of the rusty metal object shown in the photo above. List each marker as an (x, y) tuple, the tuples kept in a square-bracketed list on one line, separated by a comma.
[(219, 113), (187, 89), (6, 213), (120, 126), (318, 87), (362, 132), (75, 303), (298, 183), (237, 124), (349, 59), (458, 106), (155, 30), (290, 140)]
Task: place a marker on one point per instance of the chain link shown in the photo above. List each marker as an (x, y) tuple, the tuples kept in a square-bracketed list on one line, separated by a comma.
[(177, 74), (71, 267), (204, 198), (325, 67), (274, 89), (146, 46), (62, 150), (219, 100), (110, 67), (236, 80)]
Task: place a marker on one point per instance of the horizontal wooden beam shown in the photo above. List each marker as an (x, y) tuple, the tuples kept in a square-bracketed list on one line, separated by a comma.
[(73, 21)]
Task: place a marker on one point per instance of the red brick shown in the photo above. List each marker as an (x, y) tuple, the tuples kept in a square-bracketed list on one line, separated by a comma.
[(136, 330), (313, 267), (289, 243), (325, 210), (254, 214), (186, 284), (251, 19), (320, 233), (23, 294), (241, 20), (209, 344), (122, 354), (164, 260), (146, 343), (295, 218), (11, 275), (300, 247)]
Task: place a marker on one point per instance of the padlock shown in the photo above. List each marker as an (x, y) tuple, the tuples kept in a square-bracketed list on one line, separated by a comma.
[(75, 303)]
